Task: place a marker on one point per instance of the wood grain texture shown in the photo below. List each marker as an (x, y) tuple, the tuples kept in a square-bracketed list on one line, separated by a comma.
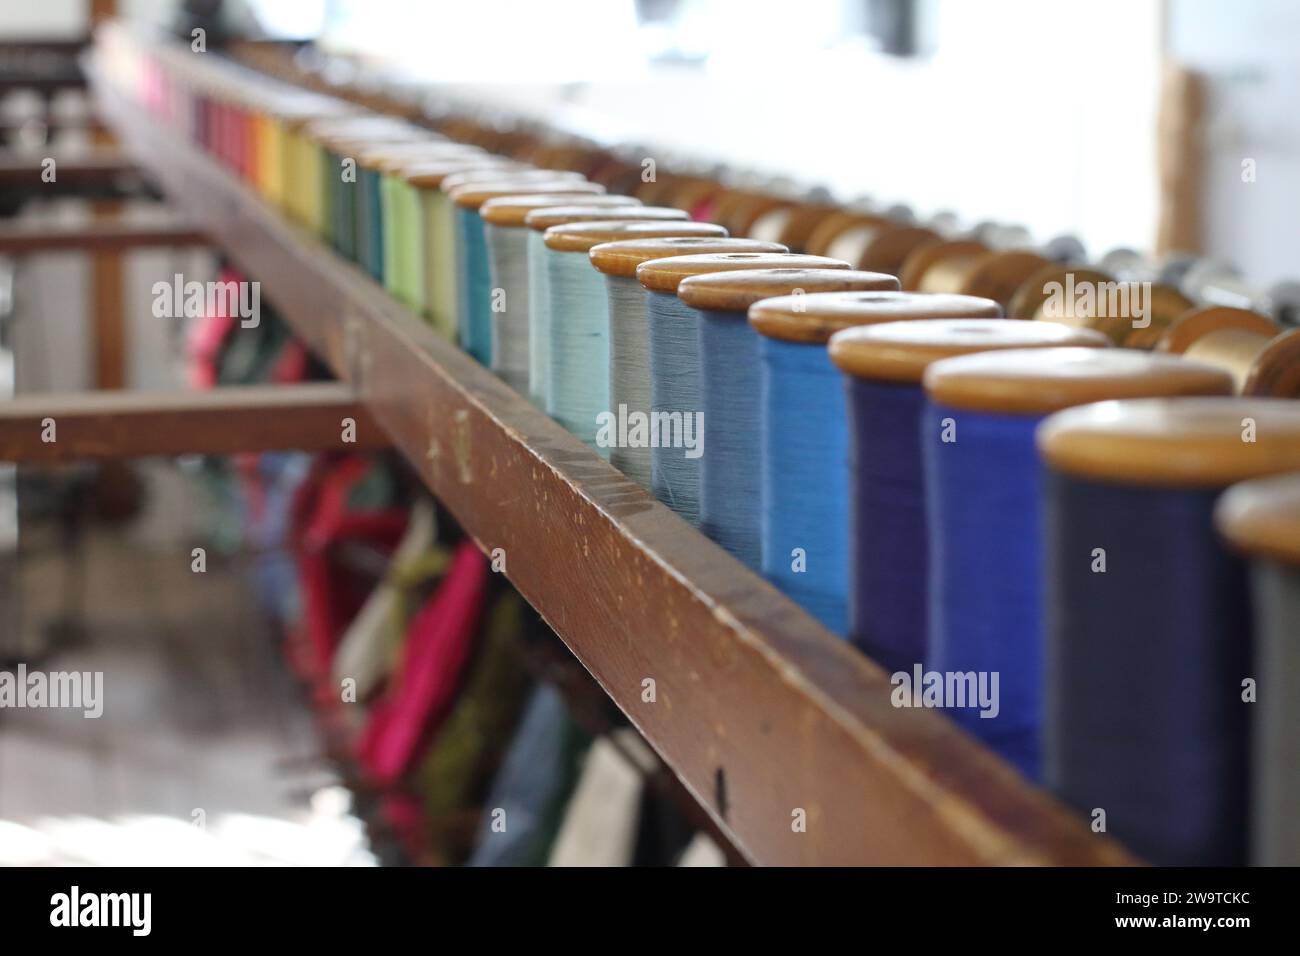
[(106, 236), (759, 710)]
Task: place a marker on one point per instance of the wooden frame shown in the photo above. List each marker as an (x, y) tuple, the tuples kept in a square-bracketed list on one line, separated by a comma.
[(28, 237), (765, 717)]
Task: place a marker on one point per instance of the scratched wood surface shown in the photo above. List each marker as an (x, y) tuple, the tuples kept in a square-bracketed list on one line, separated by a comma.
[(760, 711)]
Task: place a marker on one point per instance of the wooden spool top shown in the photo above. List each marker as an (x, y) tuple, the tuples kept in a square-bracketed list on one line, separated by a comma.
[(1035, 290), (735, 292), (933, 257), (890, 247), (352, 140), (813, 319), (1039, 381), (1187, 443), (542, 219), (512, 210), (665, 275), (429, 173), (622, 258), (581, 236), (1276, 368), (389, 157), (1000, 276), (473, 195), (1261, 518), (902, 351), (519, 177), (1198, 323), (369, 124)]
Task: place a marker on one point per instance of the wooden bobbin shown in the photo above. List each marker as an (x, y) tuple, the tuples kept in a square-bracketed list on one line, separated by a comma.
[(738, 210), (622, 258), (902, 351), (1175, 443), (815, 318), (390, 157), (890, 247), (512, 210), (737, 291), (1034, 293), (1260, 356), (539, 220), (692, 192), (474, 194), (665, 275), (845, 235), (791, 226), (582, 236), (1261, 518), (941, 266), (1041, 381), (1000, 275), (517, 177), (429, 174)]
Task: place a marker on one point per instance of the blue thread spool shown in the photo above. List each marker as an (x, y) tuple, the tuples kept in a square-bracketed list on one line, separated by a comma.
[(629, 336), (804, 448), (1261, 520), (883, 365), (507, 243), (673, 334), (983, 501), (475, 304), (539, 296), (1146, 661), (579, 310), (358, 202), (730, 384)]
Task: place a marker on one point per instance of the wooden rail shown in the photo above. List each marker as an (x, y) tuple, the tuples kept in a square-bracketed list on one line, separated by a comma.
[(765, 716), (49, 429), (28, 237)]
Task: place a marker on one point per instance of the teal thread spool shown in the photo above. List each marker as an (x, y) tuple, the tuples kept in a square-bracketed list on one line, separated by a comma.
[(629, 336), (579, 309), (1261, 520), (730, 382), (539, 299), (479, 299), (507, 241), (454, 229)]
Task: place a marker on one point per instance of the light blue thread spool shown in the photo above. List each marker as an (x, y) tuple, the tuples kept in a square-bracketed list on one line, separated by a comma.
[(730, 383), (629, 339), (804, 445), (539, 297), (507, 241), (579, 309), (984, 502)]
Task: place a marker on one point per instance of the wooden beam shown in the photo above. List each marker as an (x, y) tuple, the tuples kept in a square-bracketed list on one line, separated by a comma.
[(221, 421), (107, 236), (759, 710), (99, 166)]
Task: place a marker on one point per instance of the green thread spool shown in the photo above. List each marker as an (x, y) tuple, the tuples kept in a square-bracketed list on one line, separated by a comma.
[(579, 310), (1261, 519), (507, 242), (539, 305)]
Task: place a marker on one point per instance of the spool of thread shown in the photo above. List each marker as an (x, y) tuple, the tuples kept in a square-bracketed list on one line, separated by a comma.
[(1262, 359), (942, 266), (438, 259), (883, 365), (1065, 250), (739, 209), (730, 384), (300, 162), (507, 243), (1148, 662), (579, 327), (889, 247), (1261, 520), (803, 474), (673, 336), (475, 305), (846, 235), (629, 334), (447, 224), (983, 502), (539, 296), (284, 150), (791, 226)]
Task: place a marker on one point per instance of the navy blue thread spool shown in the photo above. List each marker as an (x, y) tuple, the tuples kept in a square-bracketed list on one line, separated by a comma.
[(1146, 714), (474, 284), (730, 383), (579, 310), (983, 485), (507, 242), (674, 340), (803, 476), (1261, 520), (883, 365), (539, 290), (629, 336)]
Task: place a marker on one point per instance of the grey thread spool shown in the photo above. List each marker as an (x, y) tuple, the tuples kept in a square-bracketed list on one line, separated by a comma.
[(1261, 519), (539, 295), (629, 342), (579, 311), (507, 242)]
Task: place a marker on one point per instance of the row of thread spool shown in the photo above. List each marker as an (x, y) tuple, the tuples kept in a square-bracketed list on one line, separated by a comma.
[(956, 492)]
